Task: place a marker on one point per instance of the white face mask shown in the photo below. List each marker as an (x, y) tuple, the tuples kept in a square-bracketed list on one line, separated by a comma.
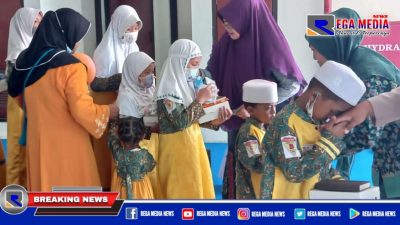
[(130, 37), (310, 105)]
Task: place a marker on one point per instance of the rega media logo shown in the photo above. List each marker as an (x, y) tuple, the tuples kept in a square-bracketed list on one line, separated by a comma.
[(320, 25), (328, 25)]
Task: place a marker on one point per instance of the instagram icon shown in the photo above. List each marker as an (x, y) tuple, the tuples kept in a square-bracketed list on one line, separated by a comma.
[(243, 214)]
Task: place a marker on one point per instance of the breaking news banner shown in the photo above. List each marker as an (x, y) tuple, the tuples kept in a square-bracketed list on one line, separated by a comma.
[(70, 205)]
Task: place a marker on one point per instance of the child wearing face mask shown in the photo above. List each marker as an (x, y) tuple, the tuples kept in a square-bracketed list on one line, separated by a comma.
[(300, 150), (117, 43), (135, 99), (183, 166)]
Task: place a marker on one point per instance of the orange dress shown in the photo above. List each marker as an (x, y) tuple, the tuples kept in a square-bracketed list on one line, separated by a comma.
[(2, 168), (102, 153), (61, 116)]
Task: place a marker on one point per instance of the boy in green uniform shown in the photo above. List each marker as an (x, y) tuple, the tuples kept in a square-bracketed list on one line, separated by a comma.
[(260, 98), (300, 151)]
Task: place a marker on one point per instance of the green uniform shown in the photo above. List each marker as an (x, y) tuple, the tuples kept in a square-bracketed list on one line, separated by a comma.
[(249, 155), (300, 153)]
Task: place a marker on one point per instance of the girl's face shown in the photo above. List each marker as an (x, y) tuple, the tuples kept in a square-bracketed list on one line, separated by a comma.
[(38, 19), (318, 56), (231, 31), (194, 62), (134, 28), (146, 72)]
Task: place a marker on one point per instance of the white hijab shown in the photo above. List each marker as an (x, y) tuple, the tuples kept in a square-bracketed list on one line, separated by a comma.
[(20, 35), (110, 55), (133, 100), (172, 83)]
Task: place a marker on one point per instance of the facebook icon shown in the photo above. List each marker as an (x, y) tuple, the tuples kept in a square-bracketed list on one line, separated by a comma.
[(131, 213)]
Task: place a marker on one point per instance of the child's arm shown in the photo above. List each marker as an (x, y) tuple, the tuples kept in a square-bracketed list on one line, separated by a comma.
[(267, 180), (298, 165), (113, 139), (177, 115), (210, 126), (249, 152)]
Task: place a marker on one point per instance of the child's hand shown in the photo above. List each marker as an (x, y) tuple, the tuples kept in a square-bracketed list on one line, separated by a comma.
[(114, 111), (204, 94), (223, 115), (242, 112), (336, 128)]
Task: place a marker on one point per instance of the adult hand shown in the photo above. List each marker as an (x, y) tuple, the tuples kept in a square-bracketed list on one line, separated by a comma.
[(223, 115), (355, 116), (204, 94), (242, 112)]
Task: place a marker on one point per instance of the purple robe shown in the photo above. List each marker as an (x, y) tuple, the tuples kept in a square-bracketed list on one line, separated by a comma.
[(261, 49)]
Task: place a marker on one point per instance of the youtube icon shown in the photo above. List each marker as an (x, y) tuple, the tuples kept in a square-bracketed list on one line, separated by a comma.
[(187, 214)]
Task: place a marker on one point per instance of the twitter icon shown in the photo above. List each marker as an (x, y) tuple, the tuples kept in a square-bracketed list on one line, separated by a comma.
[(299, 214)]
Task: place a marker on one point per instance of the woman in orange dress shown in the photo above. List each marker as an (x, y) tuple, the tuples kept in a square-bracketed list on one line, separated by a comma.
[(60, 113)]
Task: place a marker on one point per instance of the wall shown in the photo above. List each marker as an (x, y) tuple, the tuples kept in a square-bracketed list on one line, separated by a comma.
[(162, 32), (367, 8), (85, 7), (292, 18)]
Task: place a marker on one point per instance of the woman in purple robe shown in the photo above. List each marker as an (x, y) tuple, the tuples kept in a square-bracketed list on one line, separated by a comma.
[(253, 47)]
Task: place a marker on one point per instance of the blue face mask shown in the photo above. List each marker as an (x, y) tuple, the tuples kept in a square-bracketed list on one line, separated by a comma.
[(198, 83), (69, 50), (148, 81), (192, 73)]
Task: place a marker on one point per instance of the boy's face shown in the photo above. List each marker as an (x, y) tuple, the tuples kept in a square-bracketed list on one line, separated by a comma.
[(263, 112), (326, 108)]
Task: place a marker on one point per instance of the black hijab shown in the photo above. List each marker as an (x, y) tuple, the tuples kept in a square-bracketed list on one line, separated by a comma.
[(59, 29)]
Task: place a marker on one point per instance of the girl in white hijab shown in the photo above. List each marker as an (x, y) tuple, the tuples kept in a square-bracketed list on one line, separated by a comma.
[(22, 27), (135, 98), (118, 42), (183, 166), (136, 90)]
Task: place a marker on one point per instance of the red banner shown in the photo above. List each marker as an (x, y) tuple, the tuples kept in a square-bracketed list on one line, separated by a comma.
[(72, 199), (388, 46)]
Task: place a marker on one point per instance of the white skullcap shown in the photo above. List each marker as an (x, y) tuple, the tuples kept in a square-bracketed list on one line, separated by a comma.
[(260, 91), (342, 81)]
